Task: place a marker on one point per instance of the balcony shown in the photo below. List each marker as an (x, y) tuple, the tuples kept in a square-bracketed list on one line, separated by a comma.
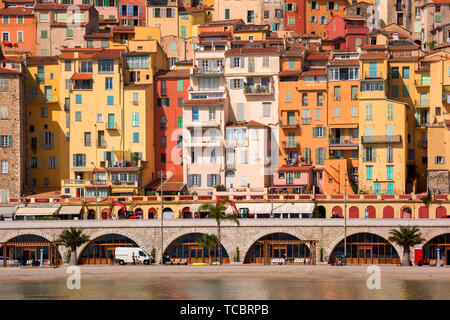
[(101, 144), (420, 83), (306, 120), (201, 71), (111, 126), (381, 139), (119, 183), (236, 143), (258, 90), (290, 144), (70, 182), (343, 143), (423, 104), (230, 166), (98, 182), (290, 124), (373, 75), (445, 96), (203, 142)]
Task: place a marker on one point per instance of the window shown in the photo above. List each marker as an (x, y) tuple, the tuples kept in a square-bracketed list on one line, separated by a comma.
[(180, 85), (317, 114), (79, 160), (417, 10), (320, 156), (4, 112), (44, 112), (369, 170), (40, 74), (369, 154), (394, 91), (354, 93), (337, 93), (180, 122), (304, 99), (135, 137), (87, 139), (337, 112), (78, 99), (265, 62), (105, 44), (5, 36), (227, 13), (306, 116), (439, 160), (195, 113), (86, 66), (318, 132), (135, 96), (99, 117), (110, 100), (163, 142), (105, 66), (135, 119), (411, 154), (354, 111), (291, 21), (287, 97), (78, 116), (183, 32), (44, 34), (43, 17), (212, 113), (4, 166), (5, 19), (163, 87), (390, 111), (266, 109), (320, 99), (137, 62), (68, 65), (292, 64), (194, 180), (369, 111), (390, 172), (395, 73), (405, 72), (163, 122), (250, 16), (19, 36), (44, 52)]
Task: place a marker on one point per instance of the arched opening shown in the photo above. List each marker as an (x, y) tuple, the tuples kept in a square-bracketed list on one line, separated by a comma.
[(322, 211), (152, 213), (370, 212), (101, 249), (91, 214), (105, 214), (388, 212), (26, 249), (185, 249), (424, 212), (276, 246), (441, 242), (121, 214), (406, 212), (186, 213), (366, 248), (336, 212), (441, 212), (138, 212), (353, 212), (168, 213)]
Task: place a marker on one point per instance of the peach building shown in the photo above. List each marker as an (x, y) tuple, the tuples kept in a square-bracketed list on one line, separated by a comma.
[(18, 30)]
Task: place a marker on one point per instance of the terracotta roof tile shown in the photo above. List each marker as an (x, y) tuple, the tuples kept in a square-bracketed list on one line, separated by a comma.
[(345, 62), (404, 48), (315, 72), (109, 54), (374, 47), (250, 123), (42, 59), (298, 168), (16, 12), (83, 55), (242, 51), (82, 76), (375, 55), (55, 6), (99, 35), (123, 29), (66, 55), (290, 73), (4, 70), (181, 73), (64, 24), (190, 9), (316, 56), (214, 34), (413, 58)]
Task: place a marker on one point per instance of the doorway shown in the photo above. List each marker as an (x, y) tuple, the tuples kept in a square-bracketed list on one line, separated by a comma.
[(365, 255)]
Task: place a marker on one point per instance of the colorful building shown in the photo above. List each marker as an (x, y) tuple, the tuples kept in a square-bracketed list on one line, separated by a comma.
[(295, 15), (189, 19), (347, 32), (163, 14), (18, 30), (320, 12), (132, 13)]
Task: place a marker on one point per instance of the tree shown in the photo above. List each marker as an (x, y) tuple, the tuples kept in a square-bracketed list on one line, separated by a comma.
[(72, 238), (407, 237), (210, 241), (217, 211)]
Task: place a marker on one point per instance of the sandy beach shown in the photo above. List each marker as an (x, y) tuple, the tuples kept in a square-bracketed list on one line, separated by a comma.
[(227, 271)]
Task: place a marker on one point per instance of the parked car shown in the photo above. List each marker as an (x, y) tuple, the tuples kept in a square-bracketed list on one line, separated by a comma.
[(8, 262), (124, 255)]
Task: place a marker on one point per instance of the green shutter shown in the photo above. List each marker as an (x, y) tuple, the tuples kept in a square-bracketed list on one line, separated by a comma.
[(116, 3), (10, 140), (52, 140), (317, 155), (56, 162), (84, 160), (374, 154), (42, 140), (310, 5), (364, 154), (314, 132), (47, 162), (74, 160), (38, 162), (336, 6)]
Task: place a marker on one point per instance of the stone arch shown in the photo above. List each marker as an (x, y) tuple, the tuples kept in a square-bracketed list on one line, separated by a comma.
[(307, 251), (139, 211), (91, 214), (424, 212), (141, 243), (384, 233), (104, 215), (353, 212), (388, 212), (395, 247), (152, 212), (322, 211), (441, 212), (406, 212), (297, 232), (167, 242), (186, 213), (372, 212), (429, 248), (169, 212)]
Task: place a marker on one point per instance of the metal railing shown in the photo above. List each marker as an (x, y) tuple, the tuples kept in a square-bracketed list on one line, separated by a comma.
[(342, 142), (382, 139), (290, 124), (258, 89)]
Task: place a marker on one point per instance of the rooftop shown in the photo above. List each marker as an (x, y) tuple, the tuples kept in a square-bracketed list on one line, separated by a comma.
[(181, 73)]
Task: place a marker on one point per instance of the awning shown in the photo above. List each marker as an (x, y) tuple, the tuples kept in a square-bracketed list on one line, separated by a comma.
[(343, 125), (194, 207), (277, 207), (7, 211), (70, 210), (123, 189), (33, 211)]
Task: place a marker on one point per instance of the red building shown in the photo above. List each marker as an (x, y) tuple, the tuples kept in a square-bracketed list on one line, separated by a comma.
[(132, 12), (17, 27), (295, 16), (347, 32), (171, 91)]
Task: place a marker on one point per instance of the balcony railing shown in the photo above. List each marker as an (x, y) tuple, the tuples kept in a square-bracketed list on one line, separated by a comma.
[(373, 75), (74, 182), (230, 165), (306, 120), (381, 139), (111, 125), (420, 103), (420, 83), (342, 142), (204, 70), (290, 144), (98, 182), (258, 89), (290, 124)]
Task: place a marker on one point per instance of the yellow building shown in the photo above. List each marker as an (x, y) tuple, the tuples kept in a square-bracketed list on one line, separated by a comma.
[(164, 17), (439, 128), (47, 161), (251, 32), (189, 18), (383, 130), (123, 35)]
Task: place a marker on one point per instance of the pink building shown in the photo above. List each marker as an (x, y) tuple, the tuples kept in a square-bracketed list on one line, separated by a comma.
[(347, 32)]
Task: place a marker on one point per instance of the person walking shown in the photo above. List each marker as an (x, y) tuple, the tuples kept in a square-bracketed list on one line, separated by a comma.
[(112, 258), (134, 258)]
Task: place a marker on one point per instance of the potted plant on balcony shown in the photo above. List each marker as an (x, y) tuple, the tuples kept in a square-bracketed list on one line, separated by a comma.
[(246, 86), (258, 88), (135, 159)]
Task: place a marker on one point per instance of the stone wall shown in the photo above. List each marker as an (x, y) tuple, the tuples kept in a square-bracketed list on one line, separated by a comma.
[(439, 181)]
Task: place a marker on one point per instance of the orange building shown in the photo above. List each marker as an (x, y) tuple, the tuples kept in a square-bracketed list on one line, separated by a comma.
[(302, 111), (18, 30)]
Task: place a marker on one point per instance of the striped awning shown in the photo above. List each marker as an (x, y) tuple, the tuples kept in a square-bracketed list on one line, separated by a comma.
[(33, 211), (70, 210)]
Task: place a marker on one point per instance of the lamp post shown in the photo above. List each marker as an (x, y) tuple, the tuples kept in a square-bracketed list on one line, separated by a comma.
[(438, 255), (162, 217)]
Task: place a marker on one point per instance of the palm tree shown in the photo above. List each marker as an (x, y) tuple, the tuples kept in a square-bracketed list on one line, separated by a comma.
[(217, 211), (407, 237), (210, 241), (73, 238)]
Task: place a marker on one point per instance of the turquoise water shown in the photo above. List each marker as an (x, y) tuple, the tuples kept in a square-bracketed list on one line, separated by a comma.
[(221, 289)]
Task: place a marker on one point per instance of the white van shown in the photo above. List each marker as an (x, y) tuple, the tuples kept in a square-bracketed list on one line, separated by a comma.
[(124, 255)]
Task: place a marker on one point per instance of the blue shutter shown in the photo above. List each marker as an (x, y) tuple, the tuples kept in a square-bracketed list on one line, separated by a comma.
[(140, 11), (42, 140), (120, 11), (189, 180), (56, 162), (231, 83), (74, 162), (52, 140), (83, 161), (104, 156), (140, 155), (47, 161)]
